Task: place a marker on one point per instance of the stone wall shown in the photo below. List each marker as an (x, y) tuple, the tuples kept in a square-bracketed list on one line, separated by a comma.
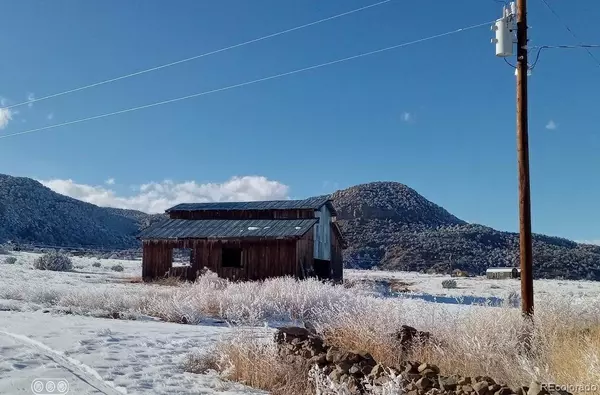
[(358, 370)]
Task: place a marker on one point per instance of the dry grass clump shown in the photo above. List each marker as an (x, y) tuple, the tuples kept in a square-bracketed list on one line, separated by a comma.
[(11, 260), (574, 356), (201, 362), (253, 361), (55, 261), (167, 282), (117, 268), (481, 341)]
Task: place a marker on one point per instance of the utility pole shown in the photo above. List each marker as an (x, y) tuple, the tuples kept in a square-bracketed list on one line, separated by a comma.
[(525, 242), (504, 40)]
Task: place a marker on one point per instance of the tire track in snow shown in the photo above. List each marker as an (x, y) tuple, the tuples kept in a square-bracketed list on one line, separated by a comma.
[(82, 371)]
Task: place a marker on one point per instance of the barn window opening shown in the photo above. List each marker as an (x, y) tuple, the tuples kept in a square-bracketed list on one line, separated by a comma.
[(232, 257), (182, 256)]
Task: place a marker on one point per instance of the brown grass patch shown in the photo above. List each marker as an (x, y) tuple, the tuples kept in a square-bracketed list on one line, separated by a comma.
[(168, 282), (258, 366), (570, 357), (201, 363), (566, 358), (574, 357), (255, 363), (362, 340), (135, 280)]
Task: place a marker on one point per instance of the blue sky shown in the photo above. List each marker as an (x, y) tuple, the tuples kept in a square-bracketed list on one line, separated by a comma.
[(438, 116)]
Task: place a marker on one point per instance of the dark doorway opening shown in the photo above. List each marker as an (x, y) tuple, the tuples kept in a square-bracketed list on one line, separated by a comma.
[(322, 269)]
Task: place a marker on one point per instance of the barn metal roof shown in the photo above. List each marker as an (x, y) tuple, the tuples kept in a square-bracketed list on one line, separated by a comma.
[(313, 203), (227, 229)]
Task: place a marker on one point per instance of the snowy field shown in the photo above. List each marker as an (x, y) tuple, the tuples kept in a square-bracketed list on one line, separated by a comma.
[(95, 355), (55, 325), (480, 286), (101, 356)]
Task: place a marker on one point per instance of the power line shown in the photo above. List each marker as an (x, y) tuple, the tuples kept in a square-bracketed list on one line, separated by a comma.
[(199, 56), (568, 46), (541, 48), (248, 82), (594, 58)]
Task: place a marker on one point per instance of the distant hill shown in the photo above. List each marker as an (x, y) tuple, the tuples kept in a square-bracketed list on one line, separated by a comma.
[(390, 226), (387, 224), (31, 212)]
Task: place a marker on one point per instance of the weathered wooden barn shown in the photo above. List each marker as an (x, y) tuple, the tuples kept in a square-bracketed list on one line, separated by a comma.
[(247, 240), (499, 273)]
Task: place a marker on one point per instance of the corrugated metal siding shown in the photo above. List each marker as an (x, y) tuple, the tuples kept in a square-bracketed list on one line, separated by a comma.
[(314, 203), (337, 262), (322, 234), (200, 229)]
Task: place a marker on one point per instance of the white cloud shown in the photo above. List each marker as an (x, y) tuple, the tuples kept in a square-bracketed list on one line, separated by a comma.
[(408, 117), (156, 197), (6, 114), (5, 117), (551, 125), (110, 181), (30, 97), (50, 116)]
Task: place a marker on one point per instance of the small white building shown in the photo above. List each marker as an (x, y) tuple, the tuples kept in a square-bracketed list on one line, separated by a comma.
[(500, 273)]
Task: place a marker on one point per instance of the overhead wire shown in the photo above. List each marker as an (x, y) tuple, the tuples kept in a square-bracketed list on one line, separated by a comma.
[(362, 55), (541, 48), (566, 26), (197, 56)]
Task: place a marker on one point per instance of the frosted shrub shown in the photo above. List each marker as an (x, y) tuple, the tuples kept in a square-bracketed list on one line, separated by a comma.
[(200, 362), (118, 267), (96, 264), (11, 260), (54, 261), (470, 340), (449, 284), (250, 357)]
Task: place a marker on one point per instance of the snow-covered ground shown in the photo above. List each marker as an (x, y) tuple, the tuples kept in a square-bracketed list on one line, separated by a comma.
[(102, 356), (94, 355), (480, 286), (143, 355)]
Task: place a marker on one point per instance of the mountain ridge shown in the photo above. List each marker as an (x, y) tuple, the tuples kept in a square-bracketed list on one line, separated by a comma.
[(388, 225)]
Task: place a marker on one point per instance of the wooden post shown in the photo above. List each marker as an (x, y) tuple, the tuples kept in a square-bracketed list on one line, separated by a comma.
[(523, 159)]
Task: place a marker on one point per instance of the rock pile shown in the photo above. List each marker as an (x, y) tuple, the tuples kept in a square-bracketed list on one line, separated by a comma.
[(356, 369)]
